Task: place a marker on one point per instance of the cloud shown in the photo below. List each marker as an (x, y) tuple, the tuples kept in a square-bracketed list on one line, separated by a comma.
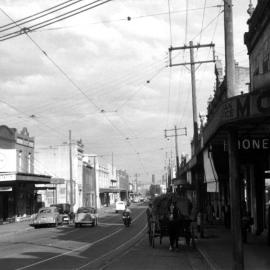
[(99, 60)]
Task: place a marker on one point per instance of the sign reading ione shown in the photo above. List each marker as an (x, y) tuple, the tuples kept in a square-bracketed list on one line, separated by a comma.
[(254, 144)]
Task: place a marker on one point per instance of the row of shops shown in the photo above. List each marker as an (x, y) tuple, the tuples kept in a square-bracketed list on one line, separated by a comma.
[(231, 164), (23, 192)]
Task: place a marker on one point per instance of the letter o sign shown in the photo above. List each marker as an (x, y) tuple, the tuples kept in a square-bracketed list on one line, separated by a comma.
[(246, 144)]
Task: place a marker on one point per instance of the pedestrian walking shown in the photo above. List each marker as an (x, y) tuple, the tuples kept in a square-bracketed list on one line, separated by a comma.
[(149, 216), (173, 226)]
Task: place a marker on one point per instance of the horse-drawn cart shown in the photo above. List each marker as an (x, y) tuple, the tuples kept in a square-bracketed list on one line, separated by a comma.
[(166, 224)]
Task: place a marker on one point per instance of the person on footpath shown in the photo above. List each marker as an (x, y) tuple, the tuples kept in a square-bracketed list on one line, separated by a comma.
[(149, 215), (174, 226)]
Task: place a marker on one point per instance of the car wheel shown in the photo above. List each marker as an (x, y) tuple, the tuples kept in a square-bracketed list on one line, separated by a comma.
[(94, 223)]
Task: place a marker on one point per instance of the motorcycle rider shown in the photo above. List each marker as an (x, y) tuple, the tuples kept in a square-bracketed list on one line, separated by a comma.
[(127, 213), (127, 210)]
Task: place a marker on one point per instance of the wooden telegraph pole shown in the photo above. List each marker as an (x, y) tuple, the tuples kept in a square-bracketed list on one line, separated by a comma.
[(70, 170), (192, 64), (193, 80), (238, 256)]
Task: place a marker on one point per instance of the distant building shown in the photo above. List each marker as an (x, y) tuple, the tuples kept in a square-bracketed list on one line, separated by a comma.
[(123, 177), (56, 161), (153, 179), (111, 184)]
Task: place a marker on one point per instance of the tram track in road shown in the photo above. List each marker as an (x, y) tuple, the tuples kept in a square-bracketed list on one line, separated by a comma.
[(68, 252), (126, 245), (89, 253)]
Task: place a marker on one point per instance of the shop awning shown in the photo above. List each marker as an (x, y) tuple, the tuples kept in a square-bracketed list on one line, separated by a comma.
[(45, 188), (5, 189), (24, 177), (109, 190), (211, 177)]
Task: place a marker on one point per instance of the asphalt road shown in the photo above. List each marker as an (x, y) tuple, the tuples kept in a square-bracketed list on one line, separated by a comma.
[(67, 247), (109, 246)]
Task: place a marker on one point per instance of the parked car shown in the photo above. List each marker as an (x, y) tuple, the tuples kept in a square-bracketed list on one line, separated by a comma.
[(120, 206), (136, 200), (65, 212), (48, 216), (86, 216)]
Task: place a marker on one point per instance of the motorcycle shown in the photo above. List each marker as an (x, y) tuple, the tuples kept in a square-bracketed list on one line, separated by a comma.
[(126, 219)]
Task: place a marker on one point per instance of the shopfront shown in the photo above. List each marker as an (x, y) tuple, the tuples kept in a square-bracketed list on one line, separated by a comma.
[(18, 196)]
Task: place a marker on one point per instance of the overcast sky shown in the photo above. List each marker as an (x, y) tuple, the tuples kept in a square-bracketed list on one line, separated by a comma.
[(104, 77)]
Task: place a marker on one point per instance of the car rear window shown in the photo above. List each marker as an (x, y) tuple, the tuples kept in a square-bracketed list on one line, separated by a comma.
[(83, 210), (45, 211)]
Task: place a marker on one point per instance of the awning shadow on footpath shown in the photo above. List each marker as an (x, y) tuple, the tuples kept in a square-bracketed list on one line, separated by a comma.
[(216, 248)]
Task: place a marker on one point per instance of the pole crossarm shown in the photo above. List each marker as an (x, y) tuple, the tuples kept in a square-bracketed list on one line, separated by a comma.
[(197, 62), (177, 135), (191, 47)]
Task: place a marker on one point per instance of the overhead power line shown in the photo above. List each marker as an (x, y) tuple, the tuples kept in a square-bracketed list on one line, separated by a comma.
[(38, 15), (64, 16), (43, 24), (83, 93)]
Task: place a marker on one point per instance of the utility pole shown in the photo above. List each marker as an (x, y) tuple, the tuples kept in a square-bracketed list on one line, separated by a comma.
[(96, 184), (238, 254), (70, 170), (192, 63), (136, 182), (193, 81), (112, 163), (176, 145)]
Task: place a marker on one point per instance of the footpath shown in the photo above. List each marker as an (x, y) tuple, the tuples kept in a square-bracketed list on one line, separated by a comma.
[(215, 248)]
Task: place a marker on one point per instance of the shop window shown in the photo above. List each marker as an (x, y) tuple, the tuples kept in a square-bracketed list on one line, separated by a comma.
[(29, 162), (20, 161)]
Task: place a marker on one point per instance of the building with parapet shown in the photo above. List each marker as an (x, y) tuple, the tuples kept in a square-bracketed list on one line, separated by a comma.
[(56, 161), (18, 192)]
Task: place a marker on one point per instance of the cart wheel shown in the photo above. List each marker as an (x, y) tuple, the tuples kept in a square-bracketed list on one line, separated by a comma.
[(153, 242), (193, 244), (150, 238), (187, 240), (153, 231)]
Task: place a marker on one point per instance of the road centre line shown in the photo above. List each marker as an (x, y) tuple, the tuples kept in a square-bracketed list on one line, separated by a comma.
[(71, 251)]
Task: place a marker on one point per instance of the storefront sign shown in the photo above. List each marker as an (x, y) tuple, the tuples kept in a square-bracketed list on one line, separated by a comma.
[(8, 160), (7, 177), (254, 144), (25, 142), (5, 189), (244, 107)]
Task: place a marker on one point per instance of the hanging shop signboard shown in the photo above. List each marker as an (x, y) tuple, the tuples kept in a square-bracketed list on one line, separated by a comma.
[(244, 107)]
